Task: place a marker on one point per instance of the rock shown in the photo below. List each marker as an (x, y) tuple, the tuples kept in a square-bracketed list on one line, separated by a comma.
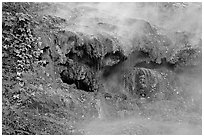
[(83, 58), (146, 84), (78, 57)]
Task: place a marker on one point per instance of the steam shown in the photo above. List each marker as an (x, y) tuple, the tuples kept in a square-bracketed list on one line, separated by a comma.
[(127, 21), (119, 18)]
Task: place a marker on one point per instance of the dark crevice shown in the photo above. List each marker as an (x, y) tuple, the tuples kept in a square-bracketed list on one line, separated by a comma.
[(118, 57), (117, 54), (80, 84), (154, 65), (111, 70)]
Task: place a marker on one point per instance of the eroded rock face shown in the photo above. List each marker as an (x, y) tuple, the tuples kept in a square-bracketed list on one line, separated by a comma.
[(147, 83), (79, 57), (90, 60)]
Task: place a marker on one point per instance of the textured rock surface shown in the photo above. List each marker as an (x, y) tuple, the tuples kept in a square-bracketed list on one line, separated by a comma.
[(102, 68), (126, 71), (149, 84), (80, 58)]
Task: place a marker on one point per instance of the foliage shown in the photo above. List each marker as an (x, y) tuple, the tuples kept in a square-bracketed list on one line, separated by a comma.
[(23, 7), (38, 108), (31, 103)]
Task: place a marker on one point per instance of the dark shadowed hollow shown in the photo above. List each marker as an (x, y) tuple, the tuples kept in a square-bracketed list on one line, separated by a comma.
[(103, 68)]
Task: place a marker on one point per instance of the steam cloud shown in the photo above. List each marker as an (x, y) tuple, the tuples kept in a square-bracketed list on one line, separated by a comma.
[(126, 21), (119, 18)]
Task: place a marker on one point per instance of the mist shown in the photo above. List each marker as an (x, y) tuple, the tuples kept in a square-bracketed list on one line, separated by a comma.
[(119, 18), (128, 22)]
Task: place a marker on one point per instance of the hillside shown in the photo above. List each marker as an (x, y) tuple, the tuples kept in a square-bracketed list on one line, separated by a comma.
[(101, 68)]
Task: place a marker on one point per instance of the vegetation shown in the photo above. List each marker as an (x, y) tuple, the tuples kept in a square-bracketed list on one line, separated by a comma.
[(32, 101), (52, 78)]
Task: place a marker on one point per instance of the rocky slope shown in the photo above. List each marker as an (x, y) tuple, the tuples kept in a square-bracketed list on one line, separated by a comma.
[(96, 66)]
